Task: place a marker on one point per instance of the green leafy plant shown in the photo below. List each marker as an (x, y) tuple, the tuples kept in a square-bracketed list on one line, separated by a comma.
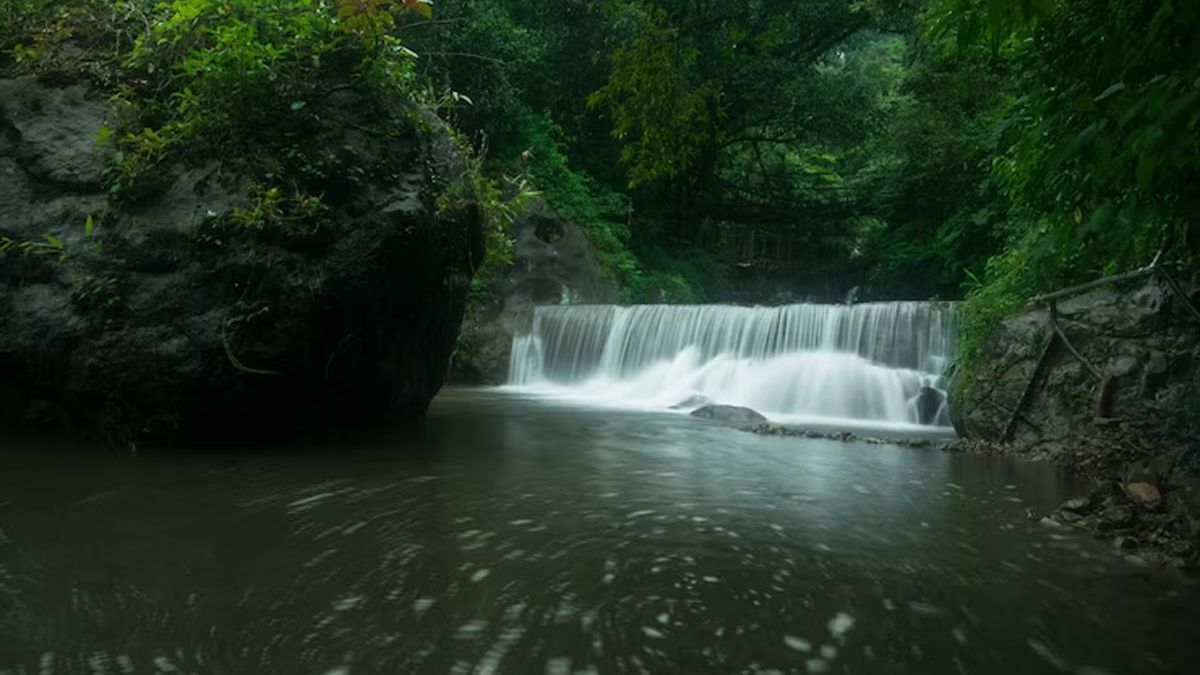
[(272, 208), (48, 245)]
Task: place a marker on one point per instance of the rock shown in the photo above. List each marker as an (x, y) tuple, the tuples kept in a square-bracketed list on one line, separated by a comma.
[(170, 323), (1143, 493), (929, 402), (1117, 517), (1157, 558), (729, 413), (1076, 505), (1068, 516), (57, 127), (554, 262), (1124, 543), (1139, 333), (1181, 549), (1139, 472)]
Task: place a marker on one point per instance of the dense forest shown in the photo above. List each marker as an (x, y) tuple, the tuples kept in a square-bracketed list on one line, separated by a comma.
[(599, 336), (945, 149), (759, 151)]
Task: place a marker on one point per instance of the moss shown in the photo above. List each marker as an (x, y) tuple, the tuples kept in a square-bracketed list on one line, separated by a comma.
[(239, 81)]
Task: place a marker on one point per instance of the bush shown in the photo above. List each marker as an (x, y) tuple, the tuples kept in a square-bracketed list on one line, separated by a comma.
[(576, 196)]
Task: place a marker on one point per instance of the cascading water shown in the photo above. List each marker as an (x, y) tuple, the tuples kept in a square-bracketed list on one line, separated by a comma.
[(875, 362)]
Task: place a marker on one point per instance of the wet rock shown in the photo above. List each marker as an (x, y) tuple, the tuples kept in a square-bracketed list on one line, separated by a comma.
[(1140, 472), (1143, 493), (1156, 558), (929, 403), (1182, 549), (1124, 543), (729, 413), (1117, 517), (1077, 505), (1069, 516)]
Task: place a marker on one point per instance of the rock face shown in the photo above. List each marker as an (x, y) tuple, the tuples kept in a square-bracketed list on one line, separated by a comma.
[(1141, 337), (929, 404), (554, 263), (729, 413), (1137, 442), (166, 322)]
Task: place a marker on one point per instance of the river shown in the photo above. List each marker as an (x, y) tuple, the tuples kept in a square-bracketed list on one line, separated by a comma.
[(511, 534)]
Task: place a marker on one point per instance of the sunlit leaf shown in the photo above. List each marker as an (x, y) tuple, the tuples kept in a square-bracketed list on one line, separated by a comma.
[(422, 7), (1111, 91)]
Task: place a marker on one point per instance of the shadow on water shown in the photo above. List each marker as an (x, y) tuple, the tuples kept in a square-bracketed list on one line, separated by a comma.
[(512, 535)]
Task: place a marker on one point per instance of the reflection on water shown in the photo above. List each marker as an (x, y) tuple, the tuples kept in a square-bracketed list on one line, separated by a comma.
[(515, 536)]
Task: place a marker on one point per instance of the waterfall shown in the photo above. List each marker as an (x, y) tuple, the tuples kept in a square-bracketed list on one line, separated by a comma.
[(874, 362)]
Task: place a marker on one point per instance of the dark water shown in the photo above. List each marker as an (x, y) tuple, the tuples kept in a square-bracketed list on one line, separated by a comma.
[(510, 536)]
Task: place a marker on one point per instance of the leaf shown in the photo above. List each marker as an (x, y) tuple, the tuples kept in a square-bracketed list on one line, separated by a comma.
[(54, 241), (89, 225), (422, 7), (298, 105), (1100, 217), (1111, 91)]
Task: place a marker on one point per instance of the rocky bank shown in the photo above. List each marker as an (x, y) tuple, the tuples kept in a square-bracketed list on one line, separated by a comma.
[(1115, 398), (171, 318)]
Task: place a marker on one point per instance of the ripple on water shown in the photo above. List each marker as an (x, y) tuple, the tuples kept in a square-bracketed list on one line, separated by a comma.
[(331, 563), (793, 642)]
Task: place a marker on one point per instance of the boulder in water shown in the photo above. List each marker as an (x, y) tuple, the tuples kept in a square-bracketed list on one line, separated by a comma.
[(729, 413), (929, 404), (185, 325)]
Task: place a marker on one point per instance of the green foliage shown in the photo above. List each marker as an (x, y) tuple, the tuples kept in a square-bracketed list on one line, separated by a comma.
[(221, 79), (216, 73), (49, 245), (1099, 156), (658, 141), (501, 200), (685, 276), (579, 198), (274, 208), (101, 295)]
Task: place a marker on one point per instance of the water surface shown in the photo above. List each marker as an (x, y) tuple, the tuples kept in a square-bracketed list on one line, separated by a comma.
[(512, 535)]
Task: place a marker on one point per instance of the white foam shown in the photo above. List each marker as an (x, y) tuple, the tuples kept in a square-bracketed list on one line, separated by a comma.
[(801, 363)]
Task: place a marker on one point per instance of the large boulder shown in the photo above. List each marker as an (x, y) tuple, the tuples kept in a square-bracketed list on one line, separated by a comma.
[(166, 319), (554, 262), (732, 414), (1141, 336)]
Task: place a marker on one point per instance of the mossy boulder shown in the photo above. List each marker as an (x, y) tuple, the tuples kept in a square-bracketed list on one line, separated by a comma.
[(213, 306)]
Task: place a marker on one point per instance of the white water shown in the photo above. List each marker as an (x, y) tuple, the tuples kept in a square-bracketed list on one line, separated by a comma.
[(855, 364)]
